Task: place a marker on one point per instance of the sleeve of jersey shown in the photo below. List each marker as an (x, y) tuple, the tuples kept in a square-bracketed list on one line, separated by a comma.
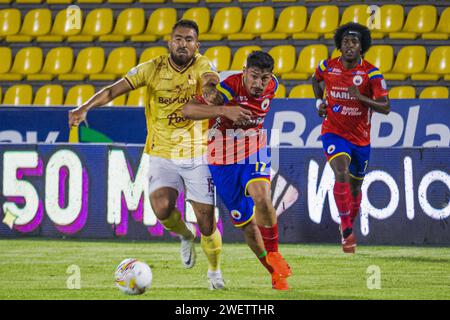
[(321, 69), (377, 83), (226, 88), (204, 66), (140, 75)]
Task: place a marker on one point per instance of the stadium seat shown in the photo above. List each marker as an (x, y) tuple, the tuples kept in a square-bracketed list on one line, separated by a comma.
[(284, 57), (281, 92), (220, 57), (117, 102), (442, 30), (420, 19), (20, 94), (218, 1), (136, 98), (259, 20), (381, 56), (98, 23), (324, 19), (409, 60), (58, 61), (354, 13), (437, 92), (152, 52), (152, 1), (91, 1), (438, 65), (185, 1), (28, 1), (201, 16), (303, 91), (49, 95), (37, 22), (6, 60), (58, 1), (10, 22), (62, 28), (121, 1), (336, 53), (5, 1), (240, 57), (89, 61), (391, 20), (27, 61), (307, 62), (250, 1), (402, 92), (226, 21), (291, 20), (130, 22), (159, 25), (79, 94), (120, 61)]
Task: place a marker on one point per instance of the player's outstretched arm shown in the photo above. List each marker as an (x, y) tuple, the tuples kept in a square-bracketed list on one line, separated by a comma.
[(101, 98), (318, 92), (196, 110), (381, 105)]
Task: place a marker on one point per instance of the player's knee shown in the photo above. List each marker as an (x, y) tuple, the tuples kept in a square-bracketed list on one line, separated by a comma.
[(262, 201), (162, 207), (341, 173)]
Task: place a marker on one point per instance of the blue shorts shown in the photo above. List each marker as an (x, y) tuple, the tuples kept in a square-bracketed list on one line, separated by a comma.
[(231, 182), (334, 146)]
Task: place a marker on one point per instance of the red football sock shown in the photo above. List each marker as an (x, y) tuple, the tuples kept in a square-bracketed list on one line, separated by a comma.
[(263, 261), (342, 197), (270, 237), (355, 205)]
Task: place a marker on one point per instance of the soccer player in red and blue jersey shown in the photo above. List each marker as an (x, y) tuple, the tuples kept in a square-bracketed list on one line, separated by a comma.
[(354, 89), (239, 158)]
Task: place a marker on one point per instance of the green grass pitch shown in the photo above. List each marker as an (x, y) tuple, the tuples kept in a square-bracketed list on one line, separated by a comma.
[(37, 269)]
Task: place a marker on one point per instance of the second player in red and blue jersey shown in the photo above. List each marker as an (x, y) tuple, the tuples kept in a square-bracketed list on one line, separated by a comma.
[(353, 89)]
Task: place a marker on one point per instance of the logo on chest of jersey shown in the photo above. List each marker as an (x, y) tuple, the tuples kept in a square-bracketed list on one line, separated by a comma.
[(265, 104), (357, 80), (335, 71), (177, 120), (241, 98), (167, 101)]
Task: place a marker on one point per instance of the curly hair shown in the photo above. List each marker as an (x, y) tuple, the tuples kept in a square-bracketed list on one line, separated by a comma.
[(364, 32), (261, 60)]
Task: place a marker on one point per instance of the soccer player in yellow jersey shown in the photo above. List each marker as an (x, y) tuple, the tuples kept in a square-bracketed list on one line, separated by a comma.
[(175, 144)]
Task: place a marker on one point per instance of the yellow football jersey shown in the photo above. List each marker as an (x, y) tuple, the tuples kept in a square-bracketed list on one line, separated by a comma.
[(169, 134)]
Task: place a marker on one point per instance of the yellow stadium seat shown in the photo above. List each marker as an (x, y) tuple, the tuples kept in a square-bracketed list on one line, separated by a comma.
[(438, 65), (37, 22), (58, 1), (98, 23), (402, 92), (437, 92), (185, 1), (152, 52), (20, 94), (284, 57), (5, 1), (90, 1), (227, 21), (10, 21), (442, 30), (218, 1), (259, 20), (159, 25), (302, 91), (307, 62), (354, 13), (381, 56), (410, 60), (291, 20), (49, 95), (6, 60), (240, 56), (152, 1), (130, 22), (220, 57), (251, 1), (201, 16), (117, 102), (28, 1), (136, 98), (281, 91), (336, 53), (79, 94), (391, 18), (420, 19), (121, 1), (27, 61), (58, 61), (324, 19), (120, 61), (62, 27), (89, 61)]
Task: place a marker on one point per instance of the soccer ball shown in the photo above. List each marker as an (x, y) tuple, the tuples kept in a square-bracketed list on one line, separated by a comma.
[(133, 277)]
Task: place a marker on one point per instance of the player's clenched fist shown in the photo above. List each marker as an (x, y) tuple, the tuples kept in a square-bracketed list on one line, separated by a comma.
[(322, 110), (237, 114), (76, 116)]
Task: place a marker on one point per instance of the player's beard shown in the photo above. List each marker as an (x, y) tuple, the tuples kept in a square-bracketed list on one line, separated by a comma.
[(179, 61)]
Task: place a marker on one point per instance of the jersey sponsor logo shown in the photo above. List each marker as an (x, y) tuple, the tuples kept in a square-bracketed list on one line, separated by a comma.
[(265, 104), (331, 148), (340, 95), (357, 80), (236, 214), (167, 101), (349, 111), (336, 108), (177, 121)]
